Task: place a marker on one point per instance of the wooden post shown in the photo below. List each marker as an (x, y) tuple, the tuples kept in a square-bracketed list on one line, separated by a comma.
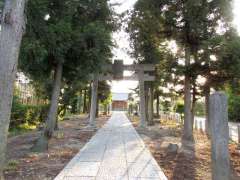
[(93, 102), (219, 136), (142, 99)]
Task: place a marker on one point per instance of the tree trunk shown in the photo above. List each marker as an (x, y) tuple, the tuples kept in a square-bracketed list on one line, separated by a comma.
[(142, 99), (158, 106), (85, 101), (207, 92), (146, 91), (207, 121), (97, 108), (42, 143), (12, 29), (150, 105), (105, 109), (56, 124), (194, 100), (79, 102), (89, 99), (188, 127), (94, 99)]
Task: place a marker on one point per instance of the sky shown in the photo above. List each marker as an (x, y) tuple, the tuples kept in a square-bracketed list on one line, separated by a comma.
[(236, 11), (122, 40)]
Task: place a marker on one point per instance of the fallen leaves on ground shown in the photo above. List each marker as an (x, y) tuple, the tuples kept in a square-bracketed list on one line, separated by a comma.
[(66, 142), (193, 163)]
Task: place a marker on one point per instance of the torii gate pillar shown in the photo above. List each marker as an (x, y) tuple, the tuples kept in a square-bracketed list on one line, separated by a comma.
[(117, 70)]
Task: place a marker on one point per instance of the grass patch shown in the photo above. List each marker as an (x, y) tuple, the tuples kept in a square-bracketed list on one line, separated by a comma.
[(12, 165), (21, 129)]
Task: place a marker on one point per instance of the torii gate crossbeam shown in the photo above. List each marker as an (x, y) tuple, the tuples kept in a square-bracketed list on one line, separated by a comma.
[(140, 76)]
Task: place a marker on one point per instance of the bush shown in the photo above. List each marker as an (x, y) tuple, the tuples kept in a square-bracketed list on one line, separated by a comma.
[(23, 116), (234, 107), (200, 109), (180, 107)]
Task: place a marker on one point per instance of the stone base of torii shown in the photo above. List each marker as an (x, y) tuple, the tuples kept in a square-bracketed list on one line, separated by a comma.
[(116, 73)]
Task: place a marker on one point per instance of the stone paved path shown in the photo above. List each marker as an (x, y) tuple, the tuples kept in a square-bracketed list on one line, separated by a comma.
[(116, 152)]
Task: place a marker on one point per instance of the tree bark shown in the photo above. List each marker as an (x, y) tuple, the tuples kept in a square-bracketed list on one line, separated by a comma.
[(150, 105), (92, 119), (207, 92), (158, 106), (89, 99), (194, 100), (194, 89), (142, 99), (56, 125), (207, 121), (85, 101), (188, 126), (97, 108), (42, 143), (146, 91), (12, 30)]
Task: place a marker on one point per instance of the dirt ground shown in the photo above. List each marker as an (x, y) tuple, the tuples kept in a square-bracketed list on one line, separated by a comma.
[(193, 163), (25, 165)]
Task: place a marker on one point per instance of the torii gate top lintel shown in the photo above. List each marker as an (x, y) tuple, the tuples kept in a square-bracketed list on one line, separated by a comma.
[(116, 71)]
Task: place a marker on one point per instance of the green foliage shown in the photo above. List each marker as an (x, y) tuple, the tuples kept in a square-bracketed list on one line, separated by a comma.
[(75, 33), (233, 105), (200, 109), (194, 27), (166, 106), (1, 5), (26, 116), (234, 108), (104, 92), (180, 107), (12, 165)]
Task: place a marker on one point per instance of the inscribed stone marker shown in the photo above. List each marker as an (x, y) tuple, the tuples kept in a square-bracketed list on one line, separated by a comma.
[(219, 136)]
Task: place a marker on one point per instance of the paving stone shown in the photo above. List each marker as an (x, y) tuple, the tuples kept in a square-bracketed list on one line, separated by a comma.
[(84, 169), (113, 167), (144, 169), (116, 152), (140, 178), (112, 178), (79, 178), (90, 157)]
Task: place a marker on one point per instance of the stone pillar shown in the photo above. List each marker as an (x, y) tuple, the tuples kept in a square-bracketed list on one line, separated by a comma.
[(218, 115), (142, 99), (93, 102)]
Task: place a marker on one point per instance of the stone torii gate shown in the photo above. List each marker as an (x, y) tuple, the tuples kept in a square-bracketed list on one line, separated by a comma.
[(116, 71)]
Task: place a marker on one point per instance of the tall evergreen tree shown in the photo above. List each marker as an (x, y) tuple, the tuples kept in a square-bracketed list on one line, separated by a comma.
[(191, 24), (65, 41), (12, 29)]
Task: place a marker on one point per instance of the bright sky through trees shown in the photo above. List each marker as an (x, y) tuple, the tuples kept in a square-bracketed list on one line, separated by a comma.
[(236, 11), (121, 38)]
